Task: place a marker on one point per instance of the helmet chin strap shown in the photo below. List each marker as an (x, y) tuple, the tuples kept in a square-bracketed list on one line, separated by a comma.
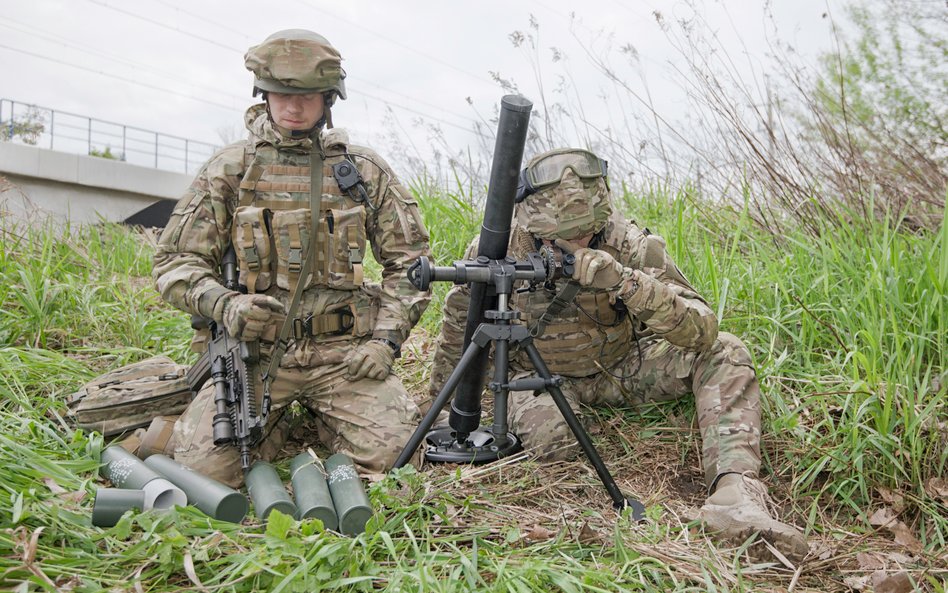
[(327, 117), (326, 120)]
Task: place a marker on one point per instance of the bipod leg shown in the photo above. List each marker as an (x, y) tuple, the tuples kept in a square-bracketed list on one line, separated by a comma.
[(450, 385), (619, 501)]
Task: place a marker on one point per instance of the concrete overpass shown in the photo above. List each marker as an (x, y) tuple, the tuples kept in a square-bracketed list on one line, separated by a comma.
[(37, 183)]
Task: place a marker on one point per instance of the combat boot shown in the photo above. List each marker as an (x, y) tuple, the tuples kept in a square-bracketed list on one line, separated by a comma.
[(740, 508)]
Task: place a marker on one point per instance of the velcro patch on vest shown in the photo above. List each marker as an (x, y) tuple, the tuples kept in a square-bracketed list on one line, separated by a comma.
[(282, 186), (288, 170)]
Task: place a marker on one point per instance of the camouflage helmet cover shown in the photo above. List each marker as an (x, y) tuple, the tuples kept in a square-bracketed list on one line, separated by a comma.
[(296, 61), (571, 209)]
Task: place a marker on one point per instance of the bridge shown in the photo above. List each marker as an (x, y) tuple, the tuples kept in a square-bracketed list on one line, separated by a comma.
[(133, 175), (38, 183)]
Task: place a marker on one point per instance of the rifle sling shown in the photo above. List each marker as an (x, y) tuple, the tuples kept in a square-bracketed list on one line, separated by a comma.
[(559, 302)]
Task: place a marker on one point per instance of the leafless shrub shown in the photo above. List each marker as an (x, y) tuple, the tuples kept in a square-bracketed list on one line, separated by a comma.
[(859, 138)]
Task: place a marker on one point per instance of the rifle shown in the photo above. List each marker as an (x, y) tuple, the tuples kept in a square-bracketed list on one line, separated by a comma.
[(232, 366)]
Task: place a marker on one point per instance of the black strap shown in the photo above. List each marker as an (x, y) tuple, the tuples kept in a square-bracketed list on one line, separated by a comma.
[(560, 301)]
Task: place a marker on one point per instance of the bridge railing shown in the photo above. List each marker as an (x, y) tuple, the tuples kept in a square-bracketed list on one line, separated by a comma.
[(70, 132)]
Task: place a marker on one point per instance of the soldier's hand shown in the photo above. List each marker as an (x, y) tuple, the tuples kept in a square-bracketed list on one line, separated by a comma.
[(371, 360), (246, 316), (597, 269)]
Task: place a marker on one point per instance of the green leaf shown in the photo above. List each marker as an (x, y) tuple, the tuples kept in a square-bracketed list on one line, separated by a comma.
[(278, 525)]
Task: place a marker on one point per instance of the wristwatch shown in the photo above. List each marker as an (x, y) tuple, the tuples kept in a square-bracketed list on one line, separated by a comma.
[(395, 347)]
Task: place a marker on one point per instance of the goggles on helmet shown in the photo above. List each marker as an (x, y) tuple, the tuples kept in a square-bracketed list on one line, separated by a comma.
[(549, 170)]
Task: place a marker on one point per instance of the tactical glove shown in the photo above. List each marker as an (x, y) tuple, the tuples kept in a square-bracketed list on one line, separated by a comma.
[(598, 269), (246, 316), (371, 360)]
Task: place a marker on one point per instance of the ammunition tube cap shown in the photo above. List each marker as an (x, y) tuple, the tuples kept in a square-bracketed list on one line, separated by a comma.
[(161, 494)]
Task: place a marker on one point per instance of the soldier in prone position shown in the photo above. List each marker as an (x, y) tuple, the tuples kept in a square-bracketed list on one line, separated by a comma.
[(630, 329), (255, 195)]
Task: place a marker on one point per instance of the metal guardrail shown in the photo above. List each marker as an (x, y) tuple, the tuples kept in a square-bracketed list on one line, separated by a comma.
[(69, 132)]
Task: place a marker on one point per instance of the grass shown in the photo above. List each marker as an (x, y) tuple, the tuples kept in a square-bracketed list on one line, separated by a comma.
[(849, 336)]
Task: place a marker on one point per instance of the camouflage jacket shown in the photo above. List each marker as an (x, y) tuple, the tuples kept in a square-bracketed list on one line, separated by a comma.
[(590, 333), (202, 226)]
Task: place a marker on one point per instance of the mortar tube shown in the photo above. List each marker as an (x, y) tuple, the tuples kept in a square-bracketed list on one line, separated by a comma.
[(512, 128)]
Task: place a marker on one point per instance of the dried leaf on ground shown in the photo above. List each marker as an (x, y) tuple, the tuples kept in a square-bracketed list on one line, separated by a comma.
[(899, 582), (539, 533), (892, 498), (886, 517), (860, 583), (883, 517), (870, 561), (937, 488), (588, 535), (900, 559), (905, 537)]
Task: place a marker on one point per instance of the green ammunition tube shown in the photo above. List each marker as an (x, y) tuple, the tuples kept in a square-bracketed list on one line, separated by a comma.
[(311, 491), (213, 498), (267, 492), (125, 470), (348, 494), (111, 503)]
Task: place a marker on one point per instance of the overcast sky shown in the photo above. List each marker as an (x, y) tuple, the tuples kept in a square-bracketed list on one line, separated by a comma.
[(177, 67)]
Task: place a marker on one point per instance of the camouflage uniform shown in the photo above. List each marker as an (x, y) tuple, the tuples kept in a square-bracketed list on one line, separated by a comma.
[(671, 347), (255, 195)]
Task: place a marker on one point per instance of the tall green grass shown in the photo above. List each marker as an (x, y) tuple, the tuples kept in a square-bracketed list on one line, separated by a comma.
[(849, 335)]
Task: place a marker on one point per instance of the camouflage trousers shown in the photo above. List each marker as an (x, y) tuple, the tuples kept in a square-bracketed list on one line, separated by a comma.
[(368, 420), (722, 379)]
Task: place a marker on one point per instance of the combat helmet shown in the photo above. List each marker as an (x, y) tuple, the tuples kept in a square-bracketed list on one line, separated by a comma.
[(563, 194), (297, 61)]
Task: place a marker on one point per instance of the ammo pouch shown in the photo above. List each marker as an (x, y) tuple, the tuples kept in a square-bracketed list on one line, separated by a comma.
[(338, 262), (291, 234), (129, 397), (251, 238), (346, 247)]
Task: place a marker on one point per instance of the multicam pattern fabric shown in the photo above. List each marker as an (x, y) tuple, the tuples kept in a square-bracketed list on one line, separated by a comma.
[(202, 226), (296, 60), (565, 211), (368, 420), (666, 346), (130, 396)]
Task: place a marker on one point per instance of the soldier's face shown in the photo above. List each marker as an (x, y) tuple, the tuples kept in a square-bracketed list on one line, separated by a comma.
[(577, 242), (296, 112)]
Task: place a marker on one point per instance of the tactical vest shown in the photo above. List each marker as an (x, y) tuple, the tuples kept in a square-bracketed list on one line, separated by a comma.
[(271, 230), (588, 334)]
